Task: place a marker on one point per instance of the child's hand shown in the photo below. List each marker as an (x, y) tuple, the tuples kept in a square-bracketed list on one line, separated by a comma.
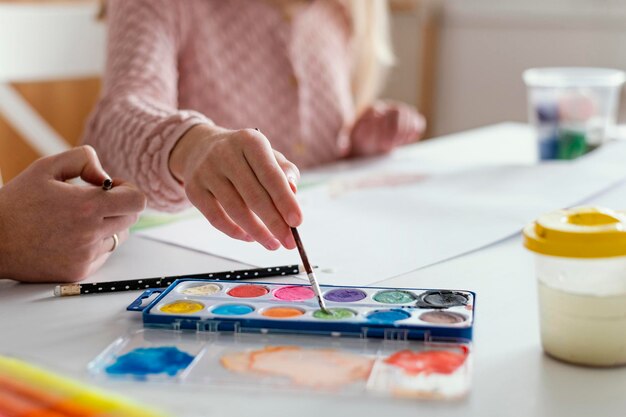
[(51, 230), (384, 126), (242, 186)]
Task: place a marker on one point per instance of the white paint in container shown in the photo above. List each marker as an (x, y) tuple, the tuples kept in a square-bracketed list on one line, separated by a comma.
[(581, 273)]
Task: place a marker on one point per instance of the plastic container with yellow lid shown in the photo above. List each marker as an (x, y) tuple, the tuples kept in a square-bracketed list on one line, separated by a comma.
[(581, 271)]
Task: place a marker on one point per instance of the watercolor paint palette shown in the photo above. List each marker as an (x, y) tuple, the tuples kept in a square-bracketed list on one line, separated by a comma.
[(369, 312), (290, 363)]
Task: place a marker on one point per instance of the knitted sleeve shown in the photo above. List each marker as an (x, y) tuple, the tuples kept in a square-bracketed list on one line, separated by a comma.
[(136, 123)]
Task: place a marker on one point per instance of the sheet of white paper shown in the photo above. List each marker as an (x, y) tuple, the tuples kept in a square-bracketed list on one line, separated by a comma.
[(365, 231), (507, 144), (614, 199), (359, 240)]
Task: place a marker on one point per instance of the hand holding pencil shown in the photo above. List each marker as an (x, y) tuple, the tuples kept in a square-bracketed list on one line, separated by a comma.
[(60, 231)]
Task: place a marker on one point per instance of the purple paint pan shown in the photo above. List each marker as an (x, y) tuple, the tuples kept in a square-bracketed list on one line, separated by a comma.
[(345, 295)]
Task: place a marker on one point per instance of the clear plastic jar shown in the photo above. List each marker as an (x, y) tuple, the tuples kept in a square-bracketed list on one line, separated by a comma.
[(573, 109)]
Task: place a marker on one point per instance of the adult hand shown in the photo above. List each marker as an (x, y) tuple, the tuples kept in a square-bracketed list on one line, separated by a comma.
[(384, 126), (51, 230), (242, 186)]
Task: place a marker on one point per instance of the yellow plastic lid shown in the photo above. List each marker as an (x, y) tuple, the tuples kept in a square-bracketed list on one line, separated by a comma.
[(580, 232)]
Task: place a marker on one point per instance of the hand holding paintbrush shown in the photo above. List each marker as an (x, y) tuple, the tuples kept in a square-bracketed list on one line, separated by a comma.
[(309, 271)]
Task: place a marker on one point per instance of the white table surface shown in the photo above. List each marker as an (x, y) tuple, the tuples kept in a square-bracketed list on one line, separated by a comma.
[(511, 375)]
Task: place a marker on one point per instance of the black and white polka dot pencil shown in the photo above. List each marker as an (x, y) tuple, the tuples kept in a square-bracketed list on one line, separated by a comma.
[(162, 282)]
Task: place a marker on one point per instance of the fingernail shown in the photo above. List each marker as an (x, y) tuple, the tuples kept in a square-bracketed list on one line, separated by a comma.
[(292, 184), (272, 244), (293, 220), (290, 243)]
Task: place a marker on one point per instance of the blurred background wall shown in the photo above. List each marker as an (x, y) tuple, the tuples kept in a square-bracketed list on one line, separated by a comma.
[(63, 103), (479, 49), (458, 61)]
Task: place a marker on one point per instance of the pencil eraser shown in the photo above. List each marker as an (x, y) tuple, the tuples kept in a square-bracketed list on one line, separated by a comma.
[(67, 289)]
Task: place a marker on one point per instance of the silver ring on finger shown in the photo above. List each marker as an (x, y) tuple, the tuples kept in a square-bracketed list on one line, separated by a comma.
[(116, 242)]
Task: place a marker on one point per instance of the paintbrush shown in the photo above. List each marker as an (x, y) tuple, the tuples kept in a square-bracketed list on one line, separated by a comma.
[(309, 271)]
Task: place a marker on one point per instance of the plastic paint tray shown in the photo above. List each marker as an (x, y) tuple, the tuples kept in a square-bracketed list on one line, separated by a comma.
[(370, 312), (399, 342), (290, 363)]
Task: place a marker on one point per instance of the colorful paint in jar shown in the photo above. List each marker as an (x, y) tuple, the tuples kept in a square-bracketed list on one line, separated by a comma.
[(580, 259), (573, 109)]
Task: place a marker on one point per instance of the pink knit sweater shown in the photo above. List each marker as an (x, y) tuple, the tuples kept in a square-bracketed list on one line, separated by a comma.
[(173, 64)]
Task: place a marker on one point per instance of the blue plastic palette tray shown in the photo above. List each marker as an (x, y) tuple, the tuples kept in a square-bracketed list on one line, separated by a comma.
[(369, 312)]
